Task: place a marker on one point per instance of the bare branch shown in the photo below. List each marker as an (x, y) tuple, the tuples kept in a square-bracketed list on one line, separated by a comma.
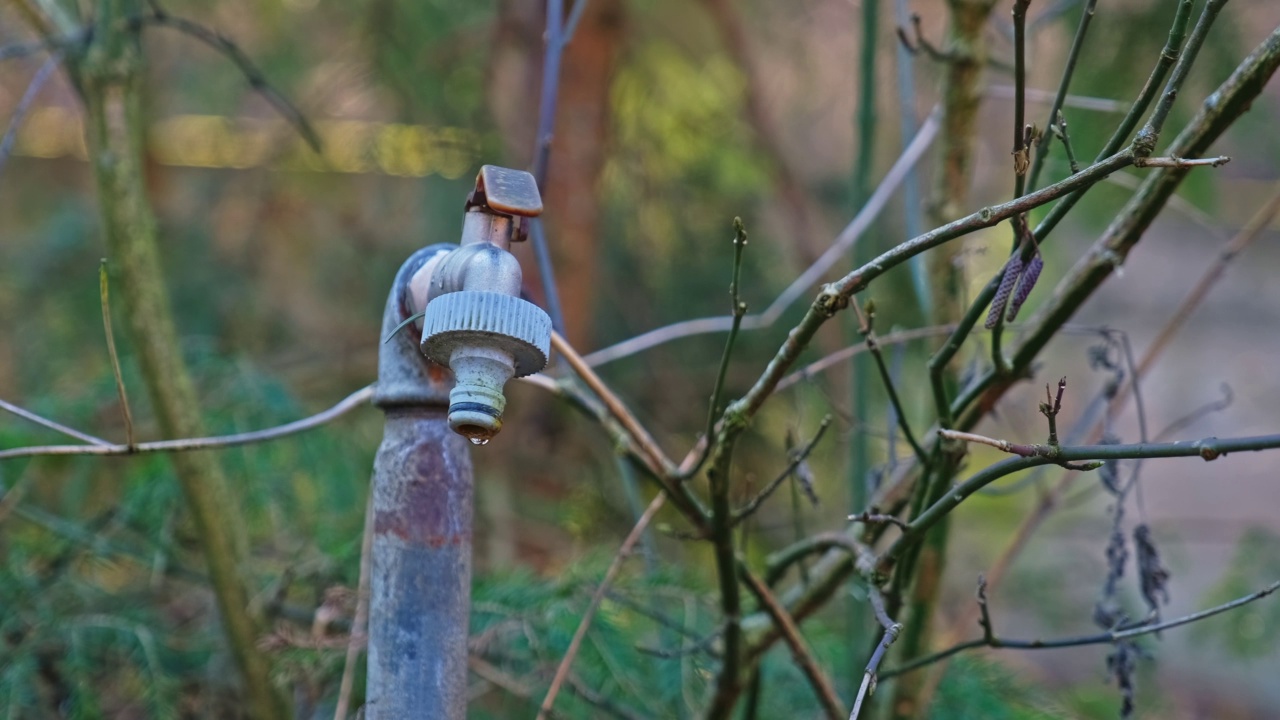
[(623, 553), (800, 651), (659, 464), (896, 338), (866, 327), (105, 298), (101, 447), (1177, 162), (838, 251), (1206, 449), (24, 106), (252, 74), (870, 675), (359, 624), (45, 422), (799, 457), (1104, 638)]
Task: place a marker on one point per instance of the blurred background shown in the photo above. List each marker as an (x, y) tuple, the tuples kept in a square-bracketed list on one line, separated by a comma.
[(673, 118)]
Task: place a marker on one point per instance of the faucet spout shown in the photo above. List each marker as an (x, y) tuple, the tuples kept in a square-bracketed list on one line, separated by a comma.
[(474, 320)]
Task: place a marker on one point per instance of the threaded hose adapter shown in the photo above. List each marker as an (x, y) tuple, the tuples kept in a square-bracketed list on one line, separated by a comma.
[(486, 339)]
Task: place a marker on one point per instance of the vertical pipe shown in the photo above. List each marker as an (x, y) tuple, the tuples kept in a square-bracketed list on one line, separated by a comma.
[(422, 513)]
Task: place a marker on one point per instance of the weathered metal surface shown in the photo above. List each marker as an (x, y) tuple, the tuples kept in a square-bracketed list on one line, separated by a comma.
[(420, 580), (512, 192), (405, 378), (474, 320), (421, 575)]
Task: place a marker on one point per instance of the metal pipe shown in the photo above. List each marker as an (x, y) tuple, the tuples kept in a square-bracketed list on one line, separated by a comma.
[(422, 513), (474, 322)]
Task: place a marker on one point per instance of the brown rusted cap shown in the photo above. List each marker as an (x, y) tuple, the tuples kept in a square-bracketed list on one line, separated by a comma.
[(506, 191)]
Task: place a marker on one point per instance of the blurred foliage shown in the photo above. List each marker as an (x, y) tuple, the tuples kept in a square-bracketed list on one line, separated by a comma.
[(973, 688)]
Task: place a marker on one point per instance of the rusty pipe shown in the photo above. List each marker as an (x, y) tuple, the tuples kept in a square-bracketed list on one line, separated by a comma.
[(420, 583)]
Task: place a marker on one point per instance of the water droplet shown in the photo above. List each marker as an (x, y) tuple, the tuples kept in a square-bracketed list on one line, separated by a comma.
[(479, 441)]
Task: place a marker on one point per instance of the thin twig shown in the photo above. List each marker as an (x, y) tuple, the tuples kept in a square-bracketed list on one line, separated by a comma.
[(839, 356), (46, 422), (1021, 148), (105, 299), (252, 74), (654, 456), (738, 310), (1059, 99), (799, 457), (988, 631), (778, 562), (835, 253), (1103, 638), (571, 23), (1206, 449), (866, 326), (870, 675), (359, 624), (555, 38), (921, 42), (800, 651), (868, 517), (1059, 128), (623, 553), (101, 447), (1181, 162), (24, 106)]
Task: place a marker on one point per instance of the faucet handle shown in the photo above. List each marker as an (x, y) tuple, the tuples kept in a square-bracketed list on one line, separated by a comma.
[(506, 192)]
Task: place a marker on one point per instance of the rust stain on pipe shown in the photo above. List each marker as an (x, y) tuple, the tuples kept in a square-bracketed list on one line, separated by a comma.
[(420, 579)]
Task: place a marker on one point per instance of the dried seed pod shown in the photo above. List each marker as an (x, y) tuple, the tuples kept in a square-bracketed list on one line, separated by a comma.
[(1025, 285), (1152, 575), (1012, 270)]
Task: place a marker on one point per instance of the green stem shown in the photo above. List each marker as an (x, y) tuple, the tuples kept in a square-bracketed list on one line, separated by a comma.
[(1208, 449), (111, 76), (1228, 102), (729, 678), (867, 330), (1068, 70), (859, 447), (739, 309)]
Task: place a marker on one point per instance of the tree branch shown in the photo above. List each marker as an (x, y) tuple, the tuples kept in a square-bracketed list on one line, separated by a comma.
[(252, 74), (623, 553), (1207, 449), (1103, 638), (102, 447), (800, 651)]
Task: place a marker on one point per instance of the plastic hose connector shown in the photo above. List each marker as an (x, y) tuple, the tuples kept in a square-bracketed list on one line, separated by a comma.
[(470, 318), (486, 339)]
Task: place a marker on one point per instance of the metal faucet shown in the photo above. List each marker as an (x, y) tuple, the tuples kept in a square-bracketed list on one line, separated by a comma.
[(475, 321), (476, 324)]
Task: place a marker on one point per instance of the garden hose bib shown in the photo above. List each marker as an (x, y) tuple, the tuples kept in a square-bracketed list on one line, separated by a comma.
[(474, 321)]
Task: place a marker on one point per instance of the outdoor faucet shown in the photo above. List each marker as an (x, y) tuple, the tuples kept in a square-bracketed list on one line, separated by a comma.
[(474, 320)]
